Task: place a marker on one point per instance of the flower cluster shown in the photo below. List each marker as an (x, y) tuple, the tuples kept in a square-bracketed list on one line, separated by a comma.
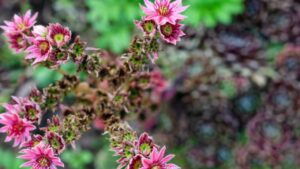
[(19, 122), (140, 153), (163, 16), (18, 31), (115, 86), (40, 43)]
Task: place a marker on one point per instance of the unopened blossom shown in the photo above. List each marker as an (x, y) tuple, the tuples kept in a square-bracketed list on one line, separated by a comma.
[(163, 11), (126, 152), (171, 33), (40, 157), (145, 144), (135, 162), (58, 57), (39, 50), (17, 129), (40, 31), (148, 27), (56, 142), (19, 23), (53, 125), (28, 109), (157, 160), (17, 42), (35, 140), (59, 35), (36, 95)]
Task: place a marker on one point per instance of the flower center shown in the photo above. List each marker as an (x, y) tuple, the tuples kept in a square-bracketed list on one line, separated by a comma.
[(145, 148), (60, 55), (21, 26), (55, 144), (59, 37), (44, 161), (44, 47), (137, 165), (31, 113), (18, 128), (149, 26), (163, 10), (20, 40), (167, 29), (156, 167)]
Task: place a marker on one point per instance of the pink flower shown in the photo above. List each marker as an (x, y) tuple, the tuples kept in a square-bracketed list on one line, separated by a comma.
[(40, 157), (147, 26), (171, 33), (40, 31), (163, 11), (39, 51), (135, 162), (59, 35), (158, 161), (17, 42), (145, 144), (15, 127), (20, 23), (29, 109)]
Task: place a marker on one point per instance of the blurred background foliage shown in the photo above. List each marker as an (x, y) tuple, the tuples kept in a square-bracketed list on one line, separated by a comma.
[(212, 12), (240, 38)]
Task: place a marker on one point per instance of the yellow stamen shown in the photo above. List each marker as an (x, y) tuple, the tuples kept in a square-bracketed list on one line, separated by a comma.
[(163, 10)]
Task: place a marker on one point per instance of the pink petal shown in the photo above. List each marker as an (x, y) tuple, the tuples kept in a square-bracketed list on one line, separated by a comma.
[(161, 153), (149, 4), (167, 158), (27, 15)]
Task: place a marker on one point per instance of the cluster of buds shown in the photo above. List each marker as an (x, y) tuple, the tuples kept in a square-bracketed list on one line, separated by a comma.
[(115, 85), (135, 152)]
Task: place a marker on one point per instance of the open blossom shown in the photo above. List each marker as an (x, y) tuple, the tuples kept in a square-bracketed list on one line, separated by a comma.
[(59, 35), (15, 127), (171, 33), (163, 11), (20, 23), (17, 42), (157, 160), (39, 51), (40, 157), (147, 26)]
